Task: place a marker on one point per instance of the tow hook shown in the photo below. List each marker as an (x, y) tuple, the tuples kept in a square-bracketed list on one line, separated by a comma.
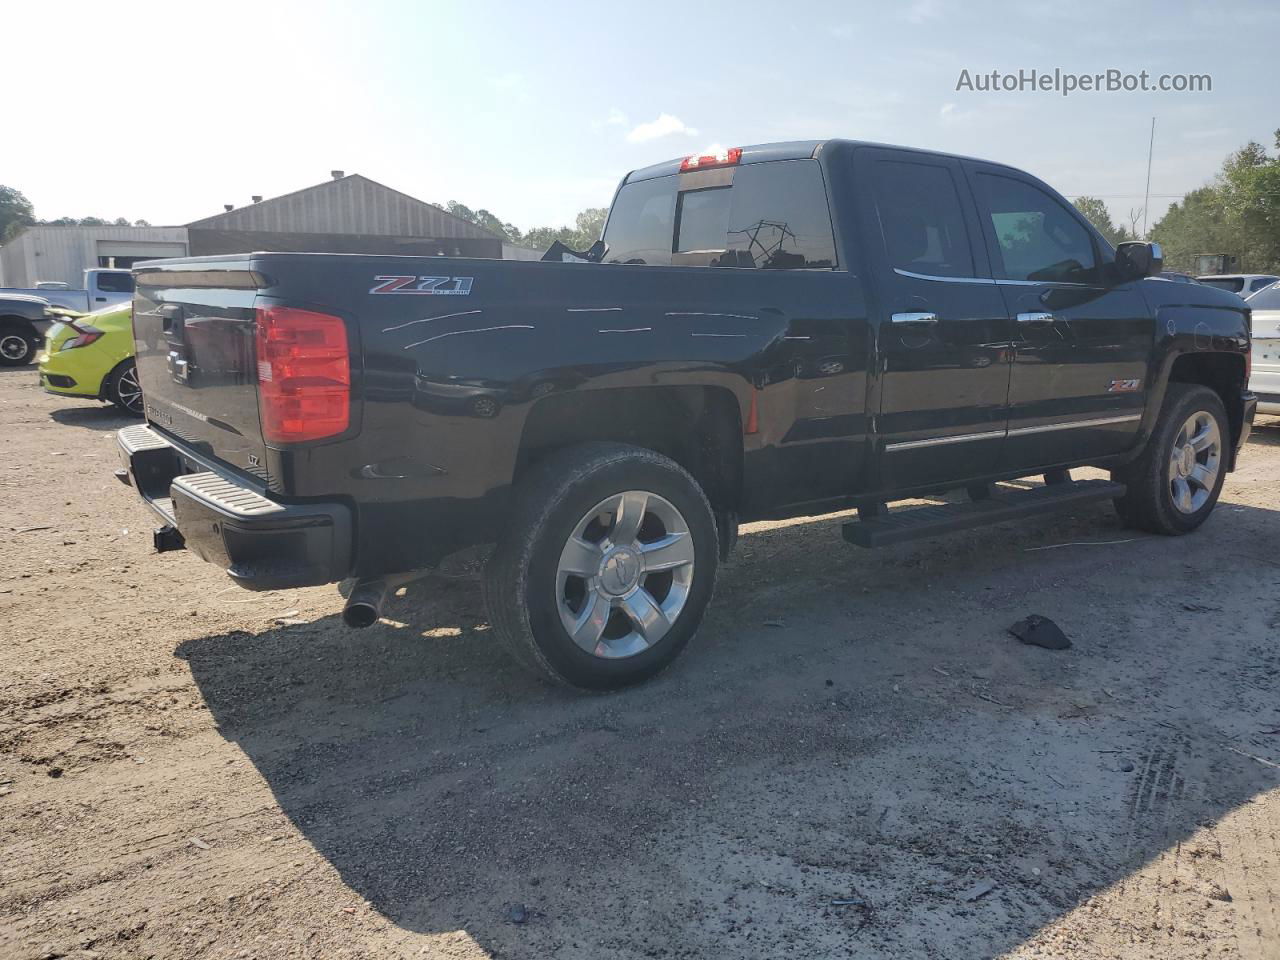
[(167, 538)]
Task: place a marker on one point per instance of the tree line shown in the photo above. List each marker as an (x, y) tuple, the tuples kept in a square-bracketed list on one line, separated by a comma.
[(585, 231), (17, 213), (1237, 212)]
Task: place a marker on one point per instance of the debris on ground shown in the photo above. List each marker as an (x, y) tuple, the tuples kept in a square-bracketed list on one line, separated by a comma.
[(1040, 632), (978, 891), (518, 913)]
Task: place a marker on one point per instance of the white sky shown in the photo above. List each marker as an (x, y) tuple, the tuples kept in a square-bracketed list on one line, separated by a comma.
[(535, 110)]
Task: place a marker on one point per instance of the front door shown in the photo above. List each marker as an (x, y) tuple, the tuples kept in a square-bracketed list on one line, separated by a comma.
[(1082, 344), (942, 328)]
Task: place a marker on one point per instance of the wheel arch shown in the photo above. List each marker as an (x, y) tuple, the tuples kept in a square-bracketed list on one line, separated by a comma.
[(699, 427), (1223, 373)]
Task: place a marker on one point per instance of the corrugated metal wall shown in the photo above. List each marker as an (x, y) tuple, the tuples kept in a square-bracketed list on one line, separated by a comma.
[(352, 205), (64, 253)]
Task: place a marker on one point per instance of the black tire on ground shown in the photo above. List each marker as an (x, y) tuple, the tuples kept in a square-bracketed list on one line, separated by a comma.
[(18, 347), (122, 388), (1153, 480), (528, 596)]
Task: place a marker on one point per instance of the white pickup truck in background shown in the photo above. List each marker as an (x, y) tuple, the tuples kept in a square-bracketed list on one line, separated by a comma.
[(1265, 378), (102, 287)]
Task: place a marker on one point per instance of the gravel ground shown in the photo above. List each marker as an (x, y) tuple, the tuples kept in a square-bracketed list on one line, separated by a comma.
[(854, 758)]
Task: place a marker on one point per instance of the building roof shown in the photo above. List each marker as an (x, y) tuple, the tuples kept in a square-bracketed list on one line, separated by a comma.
[(352, 205)]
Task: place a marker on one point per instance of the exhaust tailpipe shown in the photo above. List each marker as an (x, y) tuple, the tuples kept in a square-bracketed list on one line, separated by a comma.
[(364, 603)]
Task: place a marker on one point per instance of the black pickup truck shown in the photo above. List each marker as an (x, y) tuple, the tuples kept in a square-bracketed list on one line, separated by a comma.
[(775, 331)]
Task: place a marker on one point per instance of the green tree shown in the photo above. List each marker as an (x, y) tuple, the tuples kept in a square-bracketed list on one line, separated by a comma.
[(16, 213), (1096, 212), (586, 229), (483, 218), (1236, 213)]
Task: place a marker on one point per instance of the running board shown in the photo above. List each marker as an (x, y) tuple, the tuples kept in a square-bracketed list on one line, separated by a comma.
[(880, 529)]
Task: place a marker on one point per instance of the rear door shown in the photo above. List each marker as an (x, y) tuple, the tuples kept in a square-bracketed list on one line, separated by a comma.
[(1082, 346), (943, 331)]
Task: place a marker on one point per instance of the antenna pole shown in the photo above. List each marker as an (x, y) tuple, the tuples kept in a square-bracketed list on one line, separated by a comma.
[(1146, 197)]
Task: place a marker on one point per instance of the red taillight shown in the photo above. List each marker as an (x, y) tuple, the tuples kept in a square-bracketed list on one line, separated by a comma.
[(304, 375), (85, 335), (726, 159)]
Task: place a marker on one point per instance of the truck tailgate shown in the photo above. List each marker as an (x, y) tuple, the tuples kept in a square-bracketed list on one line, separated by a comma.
[(193, 330)]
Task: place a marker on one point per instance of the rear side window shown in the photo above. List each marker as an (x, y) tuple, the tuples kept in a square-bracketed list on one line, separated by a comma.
[(1268, 298), (115, 282), (641, 223), (921, 220), (1037, 238), (770, 216), (1261, 283), (779, 219)]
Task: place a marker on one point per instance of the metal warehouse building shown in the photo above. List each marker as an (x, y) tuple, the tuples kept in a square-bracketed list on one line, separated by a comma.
[(63, 253), (345, 214)]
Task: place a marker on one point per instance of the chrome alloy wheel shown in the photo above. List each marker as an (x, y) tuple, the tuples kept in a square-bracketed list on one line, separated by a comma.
[(1194, 462), (624, 574), (129, 391), (14, 347)]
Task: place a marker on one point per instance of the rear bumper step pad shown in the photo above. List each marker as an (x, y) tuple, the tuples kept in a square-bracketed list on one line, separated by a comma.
[(918, 523), (263, 544)]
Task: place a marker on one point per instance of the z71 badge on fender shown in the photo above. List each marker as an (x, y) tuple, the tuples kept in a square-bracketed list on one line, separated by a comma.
[(424, 286)]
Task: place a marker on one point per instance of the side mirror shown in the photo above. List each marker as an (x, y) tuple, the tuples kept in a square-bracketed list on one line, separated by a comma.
[(1136, 259)]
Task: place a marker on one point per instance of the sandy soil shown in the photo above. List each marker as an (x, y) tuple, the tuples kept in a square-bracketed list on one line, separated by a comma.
[(187, 770)]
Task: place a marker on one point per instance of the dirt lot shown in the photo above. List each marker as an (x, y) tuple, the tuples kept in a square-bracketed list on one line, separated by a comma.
[(188, 770)]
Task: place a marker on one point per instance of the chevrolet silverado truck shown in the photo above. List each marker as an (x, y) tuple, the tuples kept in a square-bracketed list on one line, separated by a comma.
[(774, 331)]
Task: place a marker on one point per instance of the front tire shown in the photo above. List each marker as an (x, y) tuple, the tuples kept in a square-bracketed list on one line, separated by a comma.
[(1174, 485), (607, 569)]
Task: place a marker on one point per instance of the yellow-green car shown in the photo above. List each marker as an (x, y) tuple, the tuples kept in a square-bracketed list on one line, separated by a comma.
[(92, 356)]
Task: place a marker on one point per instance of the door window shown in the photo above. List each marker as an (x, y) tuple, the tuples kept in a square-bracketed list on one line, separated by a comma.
[(921, 220), (1037, 238)]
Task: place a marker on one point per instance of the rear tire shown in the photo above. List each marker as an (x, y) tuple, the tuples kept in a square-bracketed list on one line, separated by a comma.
[(123, 389), (607, 568), (1174, 485), (18, 347)]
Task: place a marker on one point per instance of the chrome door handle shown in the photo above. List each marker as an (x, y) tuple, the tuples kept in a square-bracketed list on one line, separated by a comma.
[(914, 318), (1037, 317)]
